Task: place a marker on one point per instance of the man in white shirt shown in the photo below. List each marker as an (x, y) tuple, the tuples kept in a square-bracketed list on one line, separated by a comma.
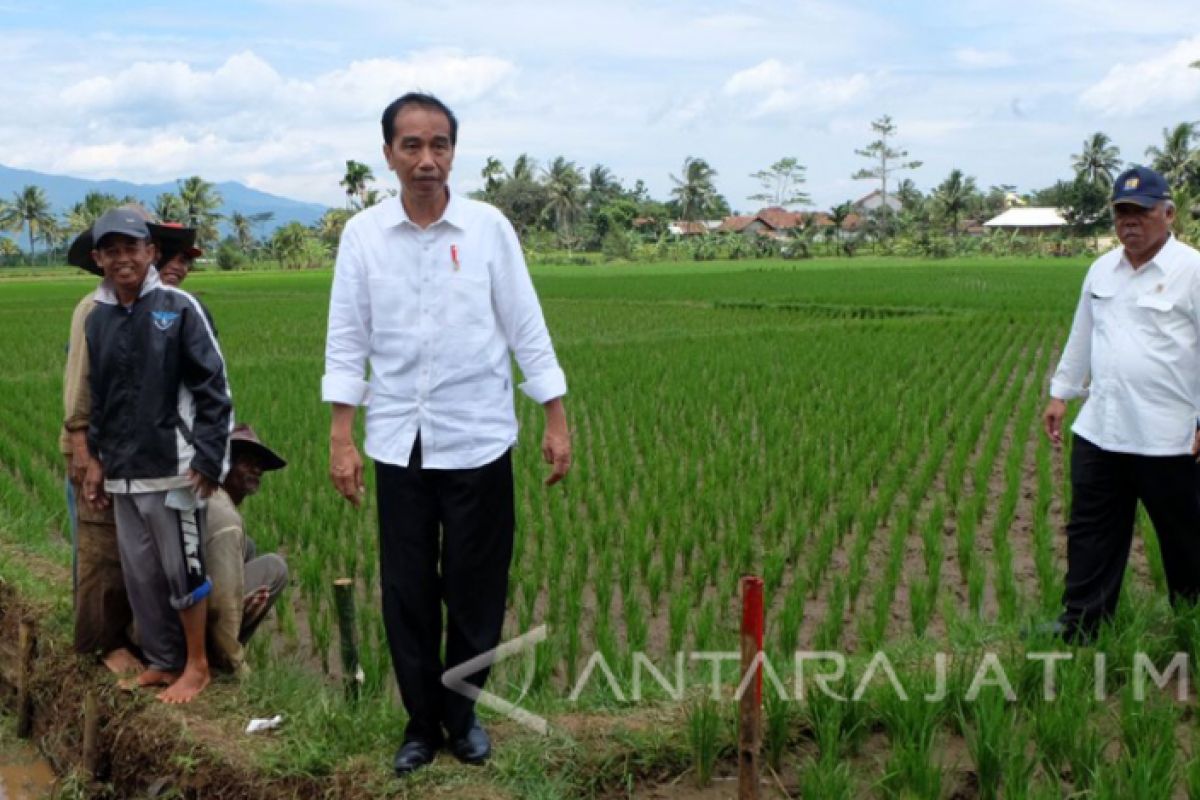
[(432, 291), (1134, 353)]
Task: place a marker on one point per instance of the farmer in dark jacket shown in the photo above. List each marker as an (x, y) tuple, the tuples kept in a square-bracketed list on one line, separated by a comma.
[(158, 433)]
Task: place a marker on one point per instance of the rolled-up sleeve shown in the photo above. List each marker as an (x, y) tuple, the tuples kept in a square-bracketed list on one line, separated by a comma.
[(1074, 367), (347, 340), (520, 315)]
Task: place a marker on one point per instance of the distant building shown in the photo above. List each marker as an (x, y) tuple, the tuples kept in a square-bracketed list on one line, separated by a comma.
[(874, 201), (1029, 221), (693, 227)]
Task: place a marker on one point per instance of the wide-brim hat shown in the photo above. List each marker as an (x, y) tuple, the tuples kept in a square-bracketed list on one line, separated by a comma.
[(243, 439), (169, 236)]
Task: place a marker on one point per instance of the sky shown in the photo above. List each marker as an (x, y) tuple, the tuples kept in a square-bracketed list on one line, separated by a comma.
[(278, 94)]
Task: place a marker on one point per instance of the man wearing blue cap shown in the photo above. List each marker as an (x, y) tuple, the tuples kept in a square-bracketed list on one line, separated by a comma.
[(1134, 353), (158, 440)]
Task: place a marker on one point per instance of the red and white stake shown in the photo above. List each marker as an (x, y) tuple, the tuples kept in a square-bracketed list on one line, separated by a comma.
[(750, 711)]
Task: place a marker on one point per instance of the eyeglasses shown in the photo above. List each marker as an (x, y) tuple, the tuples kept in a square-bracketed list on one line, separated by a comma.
[(118, 249)]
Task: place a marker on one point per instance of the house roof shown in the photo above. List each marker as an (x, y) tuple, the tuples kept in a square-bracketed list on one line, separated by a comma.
[(687, 228), (1034, 217), (735, 224), (780, 218)]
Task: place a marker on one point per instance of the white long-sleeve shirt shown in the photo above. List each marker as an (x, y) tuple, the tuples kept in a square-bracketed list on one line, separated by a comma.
[(435, 313), (1134, 352)]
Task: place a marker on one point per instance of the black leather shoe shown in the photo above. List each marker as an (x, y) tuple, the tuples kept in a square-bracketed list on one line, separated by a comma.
[(473, 747), (413, 755)]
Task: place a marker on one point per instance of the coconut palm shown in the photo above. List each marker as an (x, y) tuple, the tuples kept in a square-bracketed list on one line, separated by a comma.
[(954, 195), (524, 169), (564, 201), (1100, 160), (29, 210), (355, 181), (838, 215), (1176, 159), (89, 209), (200, 201), (602, 186), (695, 191), (168, 207), (493, 175)]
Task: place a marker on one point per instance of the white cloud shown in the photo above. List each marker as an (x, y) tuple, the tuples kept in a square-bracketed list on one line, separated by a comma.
[(974, 58), (780, 88), (1161, 82)]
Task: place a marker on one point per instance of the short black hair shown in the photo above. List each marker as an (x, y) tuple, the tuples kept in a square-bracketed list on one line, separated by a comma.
[(423, 100)]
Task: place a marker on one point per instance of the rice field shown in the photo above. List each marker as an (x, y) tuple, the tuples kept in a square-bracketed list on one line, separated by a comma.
[(864, 435)]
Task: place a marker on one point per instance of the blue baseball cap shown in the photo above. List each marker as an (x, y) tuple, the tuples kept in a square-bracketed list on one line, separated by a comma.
[(1141, 186)]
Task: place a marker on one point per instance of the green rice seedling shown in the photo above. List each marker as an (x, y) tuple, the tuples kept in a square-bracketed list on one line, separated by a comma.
[(778, 714), (920, 604), (1192, 773), (704, 633), (636, 630), (677, 619), (704, 738), (991, 740), (827, 778), (829, 631), (976, 577)]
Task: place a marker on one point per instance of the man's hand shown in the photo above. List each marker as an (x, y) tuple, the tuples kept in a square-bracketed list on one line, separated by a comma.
[(93, 486), (201, 485), (346, 470), (1052, 420), (77, 464), (1196, 444), (556, 443)]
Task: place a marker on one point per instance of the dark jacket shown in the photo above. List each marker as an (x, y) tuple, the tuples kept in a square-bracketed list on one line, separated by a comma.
[(160, 399)]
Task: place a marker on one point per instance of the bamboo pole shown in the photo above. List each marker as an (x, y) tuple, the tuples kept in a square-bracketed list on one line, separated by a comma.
[(343, 596), (750, 705), (26, 646), (91, 734)]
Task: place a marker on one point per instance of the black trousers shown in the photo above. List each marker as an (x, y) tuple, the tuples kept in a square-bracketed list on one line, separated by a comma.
[(1105, 489), (445, 538)]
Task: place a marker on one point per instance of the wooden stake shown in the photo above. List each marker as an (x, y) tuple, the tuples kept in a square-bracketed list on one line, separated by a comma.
[(26, 646), (91, 734), (750, 706), (343, 596)]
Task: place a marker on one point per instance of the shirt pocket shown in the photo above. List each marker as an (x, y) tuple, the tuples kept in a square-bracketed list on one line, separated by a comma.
[(1161, 318), (1101, 300), (468, 301)]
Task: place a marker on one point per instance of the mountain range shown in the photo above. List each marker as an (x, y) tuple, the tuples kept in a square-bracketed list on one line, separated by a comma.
[(63, 191)]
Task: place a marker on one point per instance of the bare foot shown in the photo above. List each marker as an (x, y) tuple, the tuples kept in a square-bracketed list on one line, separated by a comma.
[(123, 662), (190, 683), (149, 677), (254, 603)]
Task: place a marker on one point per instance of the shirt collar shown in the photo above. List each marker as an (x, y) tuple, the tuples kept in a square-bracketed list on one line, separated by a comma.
[(1164, 260), (394, 213), (106, 293)]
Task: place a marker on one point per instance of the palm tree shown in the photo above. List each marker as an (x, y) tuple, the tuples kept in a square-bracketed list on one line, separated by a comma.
[(242, 229), (168, 207), (1099, 161), (200, 203), (564, 204), (93, 205), (492, 174), (524, 169), (1176, 160), (838, 215), (30, 210), (358, 175), (602, 186), (695, 190), (954, 195)]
